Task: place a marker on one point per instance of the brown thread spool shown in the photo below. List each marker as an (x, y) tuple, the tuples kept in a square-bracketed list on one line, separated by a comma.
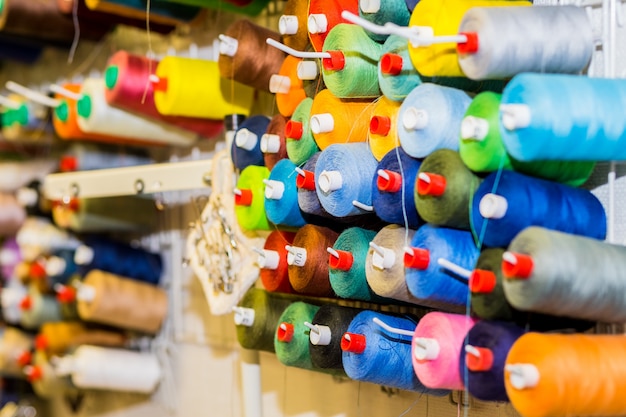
[(117, 301), (295, 11), (276, 128), (56, 338), (253, 61), (310, 275)]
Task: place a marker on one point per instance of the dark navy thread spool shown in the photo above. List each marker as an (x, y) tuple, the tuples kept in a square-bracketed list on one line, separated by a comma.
[(281, 196), (520, 201), (60, 267), (246, 146)]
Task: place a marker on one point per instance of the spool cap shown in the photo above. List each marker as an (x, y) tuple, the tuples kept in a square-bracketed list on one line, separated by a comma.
[(388, 181), (244, 316), (55, 266), (431, 184), (158, 83), (62, 111), (26, 197), (493, 206), (228, 45), (380, 125), (482, 281), (284, 332), (83, 107), (26, 303), (41, 342), (243, 197), (24, 358), (416, 258), (523, 376), (336, 62), (317, 23), (391, 64), (517, 265), (110, 76), (353, 343), (83, 255), (320, 335), (306, 180), (268, 259), (470, 46), (343, 261), (414, 119), (322, 123), (330, 181), (426, 349), (274, 190), (296, 256), (68, 163), (270, 143), (288, 24), (66, 294), (474, 128), (307, 70), (294, 129), (369, 6), (246, 139), (382, 258), (515, 116), (279, 84), (481, 362), (33, 373)]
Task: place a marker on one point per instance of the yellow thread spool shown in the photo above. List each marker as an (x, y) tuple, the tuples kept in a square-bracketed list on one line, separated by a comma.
[(444, 17), (383, 132), (194, 88), (59, 337)]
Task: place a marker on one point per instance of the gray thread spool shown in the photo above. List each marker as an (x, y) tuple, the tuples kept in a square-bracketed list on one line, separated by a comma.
[(511, 40), (571, 276)]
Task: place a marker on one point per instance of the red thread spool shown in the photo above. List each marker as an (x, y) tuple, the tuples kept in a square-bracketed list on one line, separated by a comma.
[(277, 280), (331, 11)]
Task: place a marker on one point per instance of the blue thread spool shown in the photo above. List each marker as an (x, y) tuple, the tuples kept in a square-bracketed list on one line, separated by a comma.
[(431, 283), (397, 76), (246, 147), (281, 195), (381, 12), (520, 201), (119, 259), (430, 118), (60, 267), (392, 189), (564, 117), (343, 176), (372, 354)]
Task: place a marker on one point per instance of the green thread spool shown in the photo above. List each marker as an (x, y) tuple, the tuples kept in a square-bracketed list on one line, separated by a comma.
[(300, 143), (250, 205), (357, 75), (487, 293), (291, 341), (482, 150), (258, 333), (445, 203)]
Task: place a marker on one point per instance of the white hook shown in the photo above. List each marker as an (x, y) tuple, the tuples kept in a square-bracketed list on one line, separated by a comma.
[(294, 52), (332, 252), (460, 271), (32, 94), (55, 88), (362, 206), (392, 329), (8, 103)]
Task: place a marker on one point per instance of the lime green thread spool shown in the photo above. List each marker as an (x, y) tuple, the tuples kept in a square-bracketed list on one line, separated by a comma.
[(249, 198), (291, 341), (299, 138)]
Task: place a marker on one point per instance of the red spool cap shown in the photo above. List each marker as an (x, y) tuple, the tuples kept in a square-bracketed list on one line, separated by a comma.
[(355, 344), (41, 342), (480, 363), (24, 358), (436, 187), (343, 262), (380, 125), (68, 163), (26, 303), (391, 185), (244, 199), (66, 294), (336, 62), (37, 270), (522, 269), (34, 374), (306, 181), (470, 46), (418, 260), (482, 281), (160, 84), (293, 129), (391, 64), (284, 333)]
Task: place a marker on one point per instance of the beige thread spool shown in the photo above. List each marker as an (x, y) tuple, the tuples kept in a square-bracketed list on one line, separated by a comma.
[(58, 337), (13, 343)]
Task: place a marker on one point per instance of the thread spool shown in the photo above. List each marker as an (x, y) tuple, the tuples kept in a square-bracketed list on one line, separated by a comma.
[(334, 120), (193, 88), (372, 354), (249, 198), (430, 119), (14, 343), (110, 299), (31, 198), (125, 370), (43, 379), (87, 157), (325, 15), (328, 326), (242, 63), (520, 201), (246, 148), (164, 12), (10, 256), (396, 75), (57, 338), (501, 57), (382, 135), (292, 24), (484, 357), (444, 190), (435, 284), (274, 275), (288, 88), (257, 317), (436, 348), (382, 12), (291, 341), (38, 236), (273, 142), (385, 274), (310, 71), (592, 138), (120, 259), (393, 189), (441, 59), (347, 267), (37, 308), (299, 139), (482, 150), (352, 70), (343, 175), (26, 122), (281, 196), (12, 215), (129, 87), (58, 268), (97, 116), (308, 260)]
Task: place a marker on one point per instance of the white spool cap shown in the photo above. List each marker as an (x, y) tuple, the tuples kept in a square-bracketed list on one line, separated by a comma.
[(270, 143), (246, 139), (475, 128), (320, 337), (369, 6), (317, 23), (83, 255), (426, 349), (307, 70), (415, 119), (515, 116), (493, 206), (55, 265), (523, 375), (330, 181), (288, 24), (383, 258), (296, 255), (228, 45), (280, 84), (274, 190), (86, 293), (26, 197), (322, 123), (64, 365), (268, 259), (244, 316)]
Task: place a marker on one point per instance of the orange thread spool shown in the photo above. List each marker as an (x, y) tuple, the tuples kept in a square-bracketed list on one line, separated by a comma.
[(294, 93)]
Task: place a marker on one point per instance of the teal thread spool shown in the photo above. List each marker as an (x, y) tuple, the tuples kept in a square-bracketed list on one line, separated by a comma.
[(300, 143), (380, 12), (396, 75), (291, 341), (249, 198)]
